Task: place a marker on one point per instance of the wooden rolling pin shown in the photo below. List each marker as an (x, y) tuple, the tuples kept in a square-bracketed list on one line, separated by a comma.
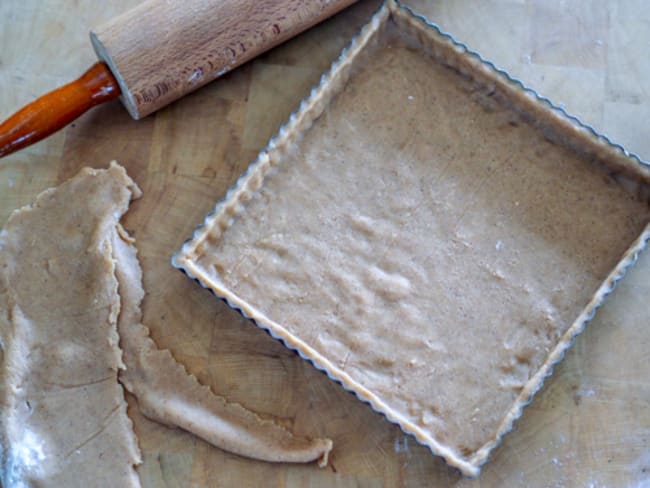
[(160, 51)]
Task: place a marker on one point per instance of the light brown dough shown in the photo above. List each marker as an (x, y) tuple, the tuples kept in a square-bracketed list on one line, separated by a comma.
[(63, 419), (414, 233), (168, 394), (69, 282)]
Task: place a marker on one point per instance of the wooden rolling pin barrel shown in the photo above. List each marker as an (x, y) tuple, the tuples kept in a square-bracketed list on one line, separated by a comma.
[(162, 50)]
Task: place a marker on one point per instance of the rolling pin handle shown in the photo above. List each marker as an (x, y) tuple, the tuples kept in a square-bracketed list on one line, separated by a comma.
[(58, 108)]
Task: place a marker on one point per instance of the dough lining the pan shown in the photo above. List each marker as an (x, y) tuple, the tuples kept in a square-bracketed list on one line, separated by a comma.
[(428, 235)]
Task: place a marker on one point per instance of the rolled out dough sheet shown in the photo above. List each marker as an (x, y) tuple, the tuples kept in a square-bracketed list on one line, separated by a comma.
[(63, 419), (70, 290), (428, 233)]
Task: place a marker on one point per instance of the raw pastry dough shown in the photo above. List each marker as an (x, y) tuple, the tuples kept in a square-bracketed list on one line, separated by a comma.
[(428, 233), (168, 394), (63, 419), (69, 283)]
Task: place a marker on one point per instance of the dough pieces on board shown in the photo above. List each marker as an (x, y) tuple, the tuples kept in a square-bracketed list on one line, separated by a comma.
[(70, 292), (63, 419)]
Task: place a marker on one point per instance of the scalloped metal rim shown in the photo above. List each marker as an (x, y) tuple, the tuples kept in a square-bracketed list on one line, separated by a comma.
[(469, 467), (523, 86)]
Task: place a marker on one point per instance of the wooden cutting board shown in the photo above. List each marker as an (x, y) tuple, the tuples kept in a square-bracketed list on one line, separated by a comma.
[(589, 426)]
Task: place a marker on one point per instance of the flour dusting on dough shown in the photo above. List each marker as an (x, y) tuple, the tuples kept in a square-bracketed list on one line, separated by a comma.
[(63, 419)]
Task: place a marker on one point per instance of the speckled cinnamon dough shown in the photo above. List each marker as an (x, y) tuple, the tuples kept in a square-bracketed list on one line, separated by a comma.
[(70, 283), (167, 394), (421, 241), (63, 419)]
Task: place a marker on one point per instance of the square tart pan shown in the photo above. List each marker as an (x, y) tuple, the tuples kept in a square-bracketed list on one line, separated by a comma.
[(428, 232)]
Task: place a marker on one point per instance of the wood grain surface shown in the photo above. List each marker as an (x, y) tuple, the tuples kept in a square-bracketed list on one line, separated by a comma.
[(161, 50), (590, 424)]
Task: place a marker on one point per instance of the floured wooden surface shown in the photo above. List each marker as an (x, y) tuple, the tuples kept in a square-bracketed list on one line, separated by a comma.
[(589, 424), (64, 419)]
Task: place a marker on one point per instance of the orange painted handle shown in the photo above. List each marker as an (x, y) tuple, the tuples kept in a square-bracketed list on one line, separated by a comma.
[(57, 108)]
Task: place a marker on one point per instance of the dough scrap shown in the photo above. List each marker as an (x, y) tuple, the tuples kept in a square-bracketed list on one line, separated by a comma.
[(63, 416), (168, 394), (428, 233), (70, 290)]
